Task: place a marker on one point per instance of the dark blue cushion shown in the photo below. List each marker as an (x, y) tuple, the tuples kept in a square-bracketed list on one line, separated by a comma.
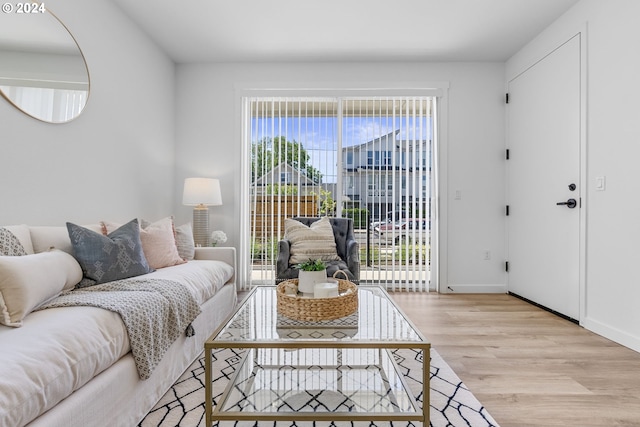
[(115, 256)]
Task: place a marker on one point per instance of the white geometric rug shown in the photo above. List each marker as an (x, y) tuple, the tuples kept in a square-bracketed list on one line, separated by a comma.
[(452, 404)]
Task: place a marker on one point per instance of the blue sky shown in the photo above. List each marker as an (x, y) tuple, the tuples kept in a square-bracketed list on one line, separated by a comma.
[(318, 135), (321, 132)]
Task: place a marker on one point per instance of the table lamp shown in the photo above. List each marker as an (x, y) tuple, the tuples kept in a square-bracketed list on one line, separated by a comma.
[(201, 193)]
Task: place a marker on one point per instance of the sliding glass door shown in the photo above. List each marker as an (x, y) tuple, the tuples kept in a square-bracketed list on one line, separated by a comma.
[(366, 158)]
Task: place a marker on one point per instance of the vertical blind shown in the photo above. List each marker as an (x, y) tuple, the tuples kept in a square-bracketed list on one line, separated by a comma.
[(53, 105), (367, 158)]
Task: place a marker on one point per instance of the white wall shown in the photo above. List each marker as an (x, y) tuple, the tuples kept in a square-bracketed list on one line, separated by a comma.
[(208, 141), (612, 288), (115, 162)]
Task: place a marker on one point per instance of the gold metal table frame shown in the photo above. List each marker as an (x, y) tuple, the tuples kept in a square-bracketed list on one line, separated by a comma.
[(352, 354)]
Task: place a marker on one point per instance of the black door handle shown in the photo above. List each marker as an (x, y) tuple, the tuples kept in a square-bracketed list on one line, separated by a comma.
[(571, 203)]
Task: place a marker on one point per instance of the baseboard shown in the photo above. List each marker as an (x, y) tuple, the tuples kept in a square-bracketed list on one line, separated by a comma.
[(564, 316), (475, 289), (614, 334)]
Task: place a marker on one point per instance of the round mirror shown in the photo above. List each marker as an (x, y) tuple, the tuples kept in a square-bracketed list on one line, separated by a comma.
[(42, 70)]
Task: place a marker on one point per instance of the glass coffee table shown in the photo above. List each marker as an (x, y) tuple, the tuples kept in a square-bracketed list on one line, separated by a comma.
[(338, 370)]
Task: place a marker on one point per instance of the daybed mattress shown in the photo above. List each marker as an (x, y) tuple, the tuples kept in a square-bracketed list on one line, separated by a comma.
[(58, 350)]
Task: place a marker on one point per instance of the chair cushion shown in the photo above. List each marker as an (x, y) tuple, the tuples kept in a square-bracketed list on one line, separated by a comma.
[(310, 242)]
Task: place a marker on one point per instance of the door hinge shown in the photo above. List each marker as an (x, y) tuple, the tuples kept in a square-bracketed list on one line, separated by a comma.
[(507, 154), (506, 211), (506, 98), (506, 266)]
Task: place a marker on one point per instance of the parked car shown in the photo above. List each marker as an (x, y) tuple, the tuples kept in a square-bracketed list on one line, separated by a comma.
[(414, 228), (377, 223), (391, 217)]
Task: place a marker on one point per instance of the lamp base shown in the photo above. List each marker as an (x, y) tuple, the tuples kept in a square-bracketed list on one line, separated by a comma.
[(201, 235)]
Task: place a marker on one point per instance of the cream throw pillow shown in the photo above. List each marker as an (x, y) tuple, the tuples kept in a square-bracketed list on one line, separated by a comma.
[(312, 242), (27, 282), (159, 243)]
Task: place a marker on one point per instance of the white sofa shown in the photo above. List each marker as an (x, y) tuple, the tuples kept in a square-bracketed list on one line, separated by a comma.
[(72, 366)]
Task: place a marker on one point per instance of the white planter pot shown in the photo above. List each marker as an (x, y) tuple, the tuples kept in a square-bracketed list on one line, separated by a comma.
[(308, 279)]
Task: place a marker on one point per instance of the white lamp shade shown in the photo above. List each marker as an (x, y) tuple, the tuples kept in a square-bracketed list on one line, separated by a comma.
[(201, 191)]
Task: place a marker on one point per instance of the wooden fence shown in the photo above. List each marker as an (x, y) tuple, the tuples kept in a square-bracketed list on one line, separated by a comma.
[(269, 212)]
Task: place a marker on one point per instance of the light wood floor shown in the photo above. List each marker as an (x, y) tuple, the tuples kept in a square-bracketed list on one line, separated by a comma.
[(526, 366)]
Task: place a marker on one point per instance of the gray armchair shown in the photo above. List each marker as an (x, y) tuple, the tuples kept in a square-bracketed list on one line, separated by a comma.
[(346, 245)]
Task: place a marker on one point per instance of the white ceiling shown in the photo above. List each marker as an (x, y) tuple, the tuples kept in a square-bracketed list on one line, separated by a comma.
[(342, 30)]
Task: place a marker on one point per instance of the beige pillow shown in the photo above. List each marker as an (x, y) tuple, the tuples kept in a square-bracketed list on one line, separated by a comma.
[(316, 241), (184, 242), (27, 282), (159, 243)]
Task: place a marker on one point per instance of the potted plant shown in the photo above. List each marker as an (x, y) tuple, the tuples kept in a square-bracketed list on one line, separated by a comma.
[(311, 272)]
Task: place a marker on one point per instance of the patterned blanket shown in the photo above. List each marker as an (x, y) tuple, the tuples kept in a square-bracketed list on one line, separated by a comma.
[(154, 311)]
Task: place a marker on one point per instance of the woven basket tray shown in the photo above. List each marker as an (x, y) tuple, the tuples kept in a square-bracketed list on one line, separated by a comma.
[(314, 309)]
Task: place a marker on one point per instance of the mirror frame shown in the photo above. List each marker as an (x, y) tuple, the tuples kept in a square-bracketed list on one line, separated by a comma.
[(86, 71)]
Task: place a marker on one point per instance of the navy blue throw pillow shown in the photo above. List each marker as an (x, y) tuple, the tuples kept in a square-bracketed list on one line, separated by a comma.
[(115, 256)]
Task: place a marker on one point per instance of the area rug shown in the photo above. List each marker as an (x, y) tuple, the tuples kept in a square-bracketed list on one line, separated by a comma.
[(452, 404)]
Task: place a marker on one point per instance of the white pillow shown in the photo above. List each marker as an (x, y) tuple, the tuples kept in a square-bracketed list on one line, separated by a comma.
[(27, 282), (314, 242)]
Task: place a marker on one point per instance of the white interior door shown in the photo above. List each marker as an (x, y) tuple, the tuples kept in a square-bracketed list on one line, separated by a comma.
[(544, 162)]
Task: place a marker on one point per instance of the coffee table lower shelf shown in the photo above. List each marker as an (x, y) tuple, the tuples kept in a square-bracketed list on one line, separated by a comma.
[(317, 384)]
